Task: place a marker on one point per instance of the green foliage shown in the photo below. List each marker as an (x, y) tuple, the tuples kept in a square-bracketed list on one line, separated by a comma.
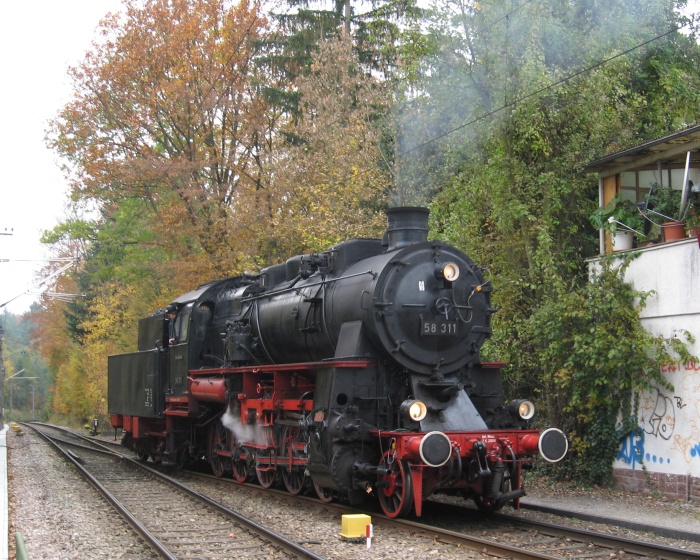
[(27, 394), (385, 35), (512, 193), (616, 212), (204, 161), (665, 201), (509, 190), (595, 357)]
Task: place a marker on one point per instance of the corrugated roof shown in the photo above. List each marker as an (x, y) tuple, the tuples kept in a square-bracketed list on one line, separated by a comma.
[(670, 150)]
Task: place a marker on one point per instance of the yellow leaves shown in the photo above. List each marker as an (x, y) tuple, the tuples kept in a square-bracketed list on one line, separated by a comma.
[(330, 187), (167, 120), (578, 445)]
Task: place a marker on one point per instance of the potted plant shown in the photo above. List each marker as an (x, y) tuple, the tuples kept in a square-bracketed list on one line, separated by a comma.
[(692, 219), (622, 219), (664, 204)]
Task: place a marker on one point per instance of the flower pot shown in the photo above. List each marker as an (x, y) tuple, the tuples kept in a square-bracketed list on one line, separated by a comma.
[(693, 231), (622, 240), (673, 231)]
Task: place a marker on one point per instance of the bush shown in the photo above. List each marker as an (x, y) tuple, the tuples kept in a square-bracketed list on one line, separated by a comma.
[(597, 357)]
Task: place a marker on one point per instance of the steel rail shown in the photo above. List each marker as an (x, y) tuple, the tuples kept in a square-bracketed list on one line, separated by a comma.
[(130, 519), (628, 545), (666, 532), (274, 538), (611, 542), (490, 547)]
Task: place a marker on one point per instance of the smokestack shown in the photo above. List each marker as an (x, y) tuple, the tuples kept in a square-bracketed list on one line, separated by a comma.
[(406, 225)]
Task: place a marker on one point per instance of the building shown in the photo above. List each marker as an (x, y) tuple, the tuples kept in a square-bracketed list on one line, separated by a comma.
[(665, 455)]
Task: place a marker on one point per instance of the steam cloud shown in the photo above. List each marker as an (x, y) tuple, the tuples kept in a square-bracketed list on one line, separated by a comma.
[(243, 433)]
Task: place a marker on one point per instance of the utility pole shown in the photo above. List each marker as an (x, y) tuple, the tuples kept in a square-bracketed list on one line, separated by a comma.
[(2, 384)]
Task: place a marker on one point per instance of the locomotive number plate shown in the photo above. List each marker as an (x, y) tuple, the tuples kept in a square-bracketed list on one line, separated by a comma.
[(438, 328)]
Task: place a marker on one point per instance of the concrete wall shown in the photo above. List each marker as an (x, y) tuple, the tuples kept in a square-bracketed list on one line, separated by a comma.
[(669, 420)]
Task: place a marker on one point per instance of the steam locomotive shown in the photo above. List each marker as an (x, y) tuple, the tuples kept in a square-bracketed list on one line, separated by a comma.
[(355, 372)]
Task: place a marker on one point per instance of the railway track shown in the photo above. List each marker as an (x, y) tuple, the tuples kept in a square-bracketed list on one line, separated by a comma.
[(175, 521), (498, 536), (554, 536)]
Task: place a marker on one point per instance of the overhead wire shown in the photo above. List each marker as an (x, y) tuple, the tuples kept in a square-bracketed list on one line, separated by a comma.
[(542, 90), (538, 91)]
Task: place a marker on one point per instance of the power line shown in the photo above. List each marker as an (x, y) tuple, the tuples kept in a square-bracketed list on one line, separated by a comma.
[(541, 90), (43, 282), (59, 259), (507, 15)]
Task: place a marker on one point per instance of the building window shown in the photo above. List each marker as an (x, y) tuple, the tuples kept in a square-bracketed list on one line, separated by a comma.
[(635, 185)]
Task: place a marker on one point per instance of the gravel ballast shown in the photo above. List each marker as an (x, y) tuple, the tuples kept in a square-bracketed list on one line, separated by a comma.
[(61, 517)]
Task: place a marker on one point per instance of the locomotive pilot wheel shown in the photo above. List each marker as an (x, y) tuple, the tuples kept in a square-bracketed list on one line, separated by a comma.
[(324, 494), (486, 504), (396, 487)]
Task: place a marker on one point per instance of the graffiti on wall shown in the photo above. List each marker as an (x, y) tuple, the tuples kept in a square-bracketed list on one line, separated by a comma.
[(632, 448), (668, 435), (662, 418), (688, 445), (671, 367)]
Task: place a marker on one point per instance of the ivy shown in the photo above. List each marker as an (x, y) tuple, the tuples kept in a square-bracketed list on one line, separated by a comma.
[(595, 357)]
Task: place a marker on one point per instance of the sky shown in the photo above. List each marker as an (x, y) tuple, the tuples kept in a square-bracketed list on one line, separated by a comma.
[(39, 40)]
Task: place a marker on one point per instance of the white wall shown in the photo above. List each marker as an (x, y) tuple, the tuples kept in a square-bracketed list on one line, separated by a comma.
[(669, 419)]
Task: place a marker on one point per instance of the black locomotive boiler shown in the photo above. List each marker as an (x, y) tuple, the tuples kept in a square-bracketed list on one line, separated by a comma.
[(355, 371)]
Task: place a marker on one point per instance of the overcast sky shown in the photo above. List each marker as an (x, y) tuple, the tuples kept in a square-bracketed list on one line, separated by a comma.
[(38, 41)]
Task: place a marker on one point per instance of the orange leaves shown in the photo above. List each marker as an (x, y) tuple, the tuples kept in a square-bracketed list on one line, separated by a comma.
[(164, 110), (170, 137)]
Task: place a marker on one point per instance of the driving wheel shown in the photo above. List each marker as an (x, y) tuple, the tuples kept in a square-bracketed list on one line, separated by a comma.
[(240, 468), (292, 475), (264, 469), (218, 441)]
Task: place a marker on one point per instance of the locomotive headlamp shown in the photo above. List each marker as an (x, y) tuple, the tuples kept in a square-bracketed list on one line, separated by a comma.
[(414, 410), (522, 409), (447, 271)]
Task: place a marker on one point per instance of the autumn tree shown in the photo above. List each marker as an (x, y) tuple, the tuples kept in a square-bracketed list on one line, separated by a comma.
[(165, 111), (165, 143), (332, 184)]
